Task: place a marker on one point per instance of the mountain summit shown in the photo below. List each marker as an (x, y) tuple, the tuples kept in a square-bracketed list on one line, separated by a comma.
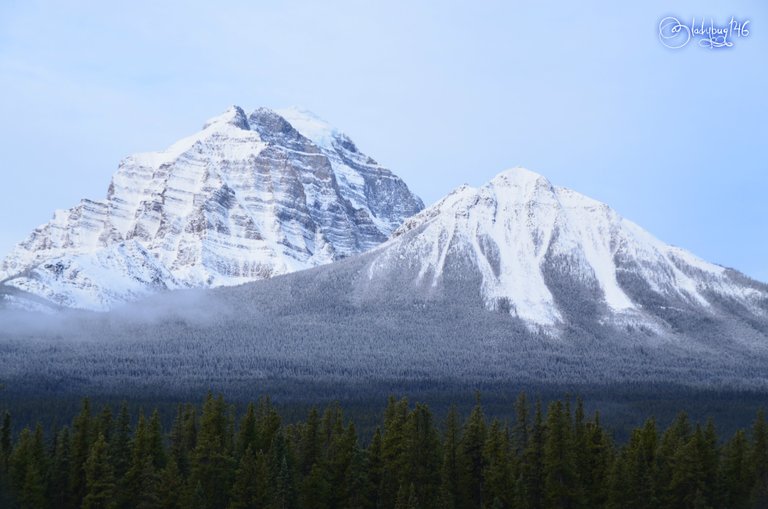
[(246, 198), (553, 257)]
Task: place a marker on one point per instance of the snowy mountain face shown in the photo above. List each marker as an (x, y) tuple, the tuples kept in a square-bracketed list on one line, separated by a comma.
[(247, 198), (517, 281), (550, 256)]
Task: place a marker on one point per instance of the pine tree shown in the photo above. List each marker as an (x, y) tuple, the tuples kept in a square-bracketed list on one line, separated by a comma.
[(141, 484), (471, 458), (710, 458), (103, 425), (39, 453), (422, 453), (229, 436), (5, 441), (375, 468), (342, 452), (736, 477), (451, 469), (689, 472), (316, 491), (581, 450), (120, 445), (58, 483), (33, 490), (559, 468), (497, 475), (82, 436), (393, 451), (267, 424), (184, 437), (759, 460), (155, 441), (309, 449), (595, 465), (331, 425), (212, 462), (5, 452), (531, 484), (246, 435), (673, 439), (171, 487), (361, 491), (284, 487), (251, 481), (140, 443), (100, 480), (145, 480), (27, 470), (520, 435), (318, 460), (633, 483), (338, 448)]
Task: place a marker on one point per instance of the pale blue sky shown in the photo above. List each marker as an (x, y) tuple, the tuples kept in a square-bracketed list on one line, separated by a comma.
[(441, 92)]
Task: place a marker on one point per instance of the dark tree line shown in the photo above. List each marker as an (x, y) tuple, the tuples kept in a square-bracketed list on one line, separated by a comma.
[(212, 458)]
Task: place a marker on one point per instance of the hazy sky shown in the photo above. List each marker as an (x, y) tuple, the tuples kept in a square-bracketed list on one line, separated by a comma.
[(443, 93)]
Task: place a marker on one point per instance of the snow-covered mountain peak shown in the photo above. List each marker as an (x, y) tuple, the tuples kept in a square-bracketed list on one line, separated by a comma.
[(233, 116), (537, 247), (518, 177), (246, 198), (310, 125)]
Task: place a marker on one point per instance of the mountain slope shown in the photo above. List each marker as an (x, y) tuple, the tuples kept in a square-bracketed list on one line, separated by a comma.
[(551, 256), (515, 282), (246, 198)]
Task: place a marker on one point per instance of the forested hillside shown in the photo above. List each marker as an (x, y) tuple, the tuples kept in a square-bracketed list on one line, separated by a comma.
[(213, 458)]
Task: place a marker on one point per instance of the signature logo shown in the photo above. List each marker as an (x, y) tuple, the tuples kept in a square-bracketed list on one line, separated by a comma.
[(675, 34)]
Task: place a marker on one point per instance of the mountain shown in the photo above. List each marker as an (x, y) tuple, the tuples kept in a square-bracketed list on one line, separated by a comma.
[(553, 257), (516, 283), (247, 198)]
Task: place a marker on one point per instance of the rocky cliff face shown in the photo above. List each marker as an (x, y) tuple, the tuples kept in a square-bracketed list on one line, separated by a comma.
[(246, 198)]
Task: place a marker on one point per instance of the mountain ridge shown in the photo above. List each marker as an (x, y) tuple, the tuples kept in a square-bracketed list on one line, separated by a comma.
[(524, 236), (446, 299), (245, 198)]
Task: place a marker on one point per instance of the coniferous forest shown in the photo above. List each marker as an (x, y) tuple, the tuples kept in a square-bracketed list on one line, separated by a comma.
[(213, 458)]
